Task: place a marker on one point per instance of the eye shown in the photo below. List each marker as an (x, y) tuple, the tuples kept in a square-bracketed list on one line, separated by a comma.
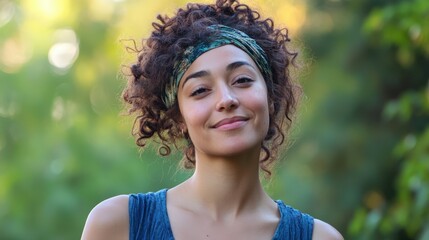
[(199, 91), (243, 80)]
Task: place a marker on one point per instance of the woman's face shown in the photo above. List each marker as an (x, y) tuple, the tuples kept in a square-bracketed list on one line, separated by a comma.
[(223, 101)]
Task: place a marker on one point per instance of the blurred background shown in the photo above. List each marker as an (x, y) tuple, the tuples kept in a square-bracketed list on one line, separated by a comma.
[(360, 153)]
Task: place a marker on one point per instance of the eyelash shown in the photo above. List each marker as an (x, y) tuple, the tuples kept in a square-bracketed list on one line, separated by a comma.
[(198, 91), (242, 80)]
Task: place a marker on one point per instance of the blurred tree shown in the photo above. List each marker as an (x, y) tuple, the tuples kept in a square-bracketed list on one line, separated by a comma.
[(400, 32), (368, 92), (63, 147)]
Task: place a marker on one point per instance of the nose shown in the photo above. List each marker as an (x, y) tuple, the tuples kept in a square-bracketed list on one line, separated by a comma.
[(227, 100)]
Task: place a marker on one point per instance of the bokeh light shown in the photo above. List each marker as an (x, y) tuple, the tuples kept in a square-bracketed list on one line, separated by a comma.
[(7, 10), (360, 138), (14, 53), (65, 50)]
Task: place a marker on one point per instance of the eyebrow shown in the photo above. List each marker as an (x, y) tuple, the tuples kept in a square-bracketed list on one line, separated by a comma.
[(198, 74), (232, 66), (235, 65)]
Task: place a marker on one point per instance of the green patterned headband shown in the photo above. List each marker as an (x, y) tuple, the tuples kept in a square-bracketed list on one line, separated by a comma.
[(223, 35)]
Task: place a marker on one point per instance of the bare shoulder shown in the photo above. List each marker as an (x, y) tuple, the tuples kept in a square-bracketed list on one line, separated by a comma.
[(324, 231), (108, 220)]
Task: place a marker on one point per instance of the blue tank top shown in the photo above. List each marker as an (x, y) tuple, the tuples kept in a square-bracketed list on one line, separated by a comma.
[(149, 219)]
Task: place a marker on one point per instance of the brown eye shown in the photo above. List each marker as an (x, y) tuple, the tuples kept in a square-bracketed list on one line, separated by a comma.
[(199, 91), (243, 80)]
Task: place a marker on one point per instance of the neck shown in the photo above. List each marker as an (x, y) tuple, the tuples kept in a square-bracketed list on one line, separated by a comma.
[(226, 187)]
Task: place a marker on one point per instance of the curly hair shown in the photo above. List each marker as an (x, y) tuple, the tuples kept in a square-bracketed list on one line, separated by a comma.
[(170, 37)]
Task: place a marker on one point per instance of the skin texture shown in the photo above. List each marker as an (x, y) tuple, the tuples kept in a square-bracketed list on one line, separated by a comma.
[(224, 198), (220, 94)]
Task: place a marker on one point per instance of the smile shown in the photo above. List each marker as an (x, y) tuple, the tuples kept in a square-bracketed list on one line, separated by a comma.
[(231, 123)]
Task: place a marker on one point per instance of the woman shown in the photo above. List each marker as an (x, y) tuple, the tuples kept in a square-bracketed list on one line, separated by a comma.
[(213, 79)]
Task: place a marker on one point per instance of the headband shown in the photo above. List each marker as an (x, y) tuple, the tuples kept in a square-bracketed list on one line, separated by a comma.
[(222, 35)]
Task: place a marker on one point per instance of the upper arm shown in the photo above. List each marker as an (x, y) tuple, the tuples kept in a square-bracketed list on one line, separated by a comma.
[(108, 220), (324, 231)]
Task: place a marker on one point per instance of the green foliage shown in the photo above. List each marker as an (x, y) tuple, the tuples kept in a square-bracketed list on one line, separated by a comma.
[(64, 145), (361, 141), (403, 30), (368, 91)]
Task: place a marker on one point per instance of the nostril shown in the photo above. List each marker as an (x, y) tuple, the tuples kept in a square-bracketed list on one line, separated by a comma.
[(228, 104), (231, 106)]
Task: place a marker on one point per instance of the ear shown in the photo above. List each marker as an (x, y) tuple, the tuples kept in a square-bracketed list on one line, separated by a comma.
[(182, 126)]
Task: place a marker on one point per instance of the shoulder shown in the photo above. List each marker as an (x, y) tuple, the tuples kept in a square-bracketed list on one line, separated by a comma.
[(108, 220), (324, 231)]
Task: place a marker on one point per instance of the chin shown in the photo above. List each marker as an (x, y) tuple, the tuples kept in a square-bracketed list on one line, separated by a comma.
[(235, 149)]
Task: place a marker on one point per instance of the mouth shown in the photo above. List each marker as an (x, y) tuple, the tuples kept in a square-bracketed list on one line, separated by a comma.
[(228, 123)]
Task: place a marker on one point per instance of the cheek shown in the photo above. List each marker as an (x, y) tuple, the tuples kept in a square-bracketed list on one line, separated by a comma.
[(258, 100), (259, 105), (264, 109), (194, 115)]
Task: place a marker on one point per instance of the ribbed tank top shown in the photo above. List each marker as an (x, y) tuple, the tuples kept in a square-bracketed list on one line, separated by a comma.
[(149, 219)]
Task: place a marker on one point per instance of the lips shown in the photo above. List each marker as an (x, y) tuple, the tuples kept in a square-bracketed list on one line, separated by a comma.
[(229, 121)]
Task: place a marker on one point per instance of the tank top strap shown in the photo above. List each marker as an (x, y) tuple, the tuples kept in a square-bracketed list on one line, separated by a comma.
[(293, 225), (149, 219), (148, 216)]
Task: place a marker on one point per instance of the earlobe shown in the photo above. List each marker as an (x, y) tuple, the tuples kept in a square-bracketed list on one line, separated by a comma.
[(183, 132), (183, 129), (181, 125)]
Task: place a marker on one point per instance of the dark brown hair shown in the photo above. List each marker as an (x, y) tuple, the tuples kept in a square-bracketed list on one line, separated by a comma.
[(170, 37)]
